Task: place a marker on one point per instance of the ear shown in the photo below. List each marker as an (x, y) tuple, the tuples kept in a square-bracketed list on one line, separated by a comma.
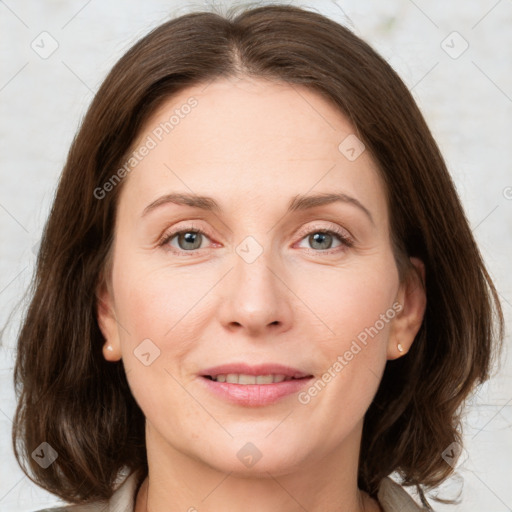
[(107, 322), (413, 299)]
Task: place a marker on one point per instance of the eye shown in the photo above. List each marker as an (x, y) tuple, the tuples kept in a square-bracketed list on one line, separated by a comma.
[(191, 238), (321, 239), (188, 239)]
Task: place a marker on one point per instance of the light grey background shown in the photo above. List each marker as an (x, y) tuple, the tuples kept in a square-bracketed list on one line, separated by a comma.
[(466, 98)]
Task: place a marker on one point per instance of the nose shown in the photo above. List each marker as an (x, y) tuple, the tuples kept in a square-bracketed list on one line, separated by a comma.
[(256, 298)]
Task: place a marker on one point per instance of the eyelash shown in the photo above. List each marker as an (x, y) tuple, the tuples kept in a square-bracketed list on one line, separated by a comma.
[(346, 241)]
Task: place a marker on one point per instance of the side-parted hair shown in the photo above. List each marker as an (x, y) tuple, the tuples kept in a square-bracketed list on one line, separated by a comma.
[(70, 397)]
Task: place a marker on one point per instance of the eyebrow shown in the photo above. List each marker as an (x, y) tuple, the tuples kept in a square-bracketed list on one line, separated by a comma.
[(297, 203)]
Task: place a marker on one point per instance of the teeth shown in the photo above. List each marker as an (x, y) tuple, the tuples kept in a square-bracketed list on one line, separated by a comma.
[(235, 378), (264, 379), (246, 379)]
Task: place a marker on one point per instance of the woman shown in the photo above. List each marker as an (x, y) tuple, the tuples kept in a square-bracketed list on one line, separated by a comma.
[(257, 288)]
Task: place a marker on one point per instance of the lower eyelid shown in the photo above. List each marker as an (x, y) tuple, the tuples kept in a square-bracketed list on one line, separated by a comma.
[(166, 239), (344, 239)]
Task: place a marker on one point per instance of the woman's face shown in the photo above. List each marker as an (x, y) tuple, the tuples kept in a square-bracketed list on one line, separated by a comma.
[(260, 284)]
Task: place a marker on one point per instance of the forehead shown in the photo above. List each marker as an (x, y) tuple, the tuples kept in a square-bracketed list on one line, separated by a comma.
[(234, 117), (253, 137)]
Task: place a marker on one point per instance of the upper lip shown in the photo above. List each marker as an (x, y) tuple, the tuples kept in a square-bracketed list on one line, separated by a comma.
[(259, 369)]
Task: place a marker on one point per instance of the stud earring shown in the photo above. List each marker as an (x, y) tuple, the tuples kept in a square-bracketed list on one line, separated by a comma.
[(109, 348), (400, 348)]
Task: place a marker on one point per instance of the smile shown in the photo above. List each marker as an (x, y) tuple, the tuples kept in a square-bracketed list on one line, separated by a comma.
[(241, 378), (244, 390)]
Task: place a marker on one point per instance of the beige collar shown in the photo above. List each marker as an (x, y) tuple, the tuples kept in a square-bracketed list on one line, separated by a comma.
[(393, 498)]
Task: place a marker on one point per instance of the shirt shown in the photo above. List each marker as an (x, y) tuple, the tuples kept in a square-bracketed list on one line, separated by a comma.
[(392, 498)]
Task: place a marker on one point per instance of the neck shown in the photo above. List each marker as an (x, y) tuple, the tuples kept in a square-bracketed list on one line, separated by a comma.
[(178, 481), (364, 504)]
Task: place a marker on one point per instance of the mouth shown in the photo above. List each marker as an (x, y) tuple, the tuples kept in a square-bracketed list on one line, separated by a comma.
[(245, 379), (253, 386), (245, 373)]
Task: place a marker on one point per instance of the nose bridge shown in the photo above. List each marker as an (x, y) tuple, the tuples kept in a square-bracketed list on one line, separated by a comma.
[(255, 297), (253, 269)]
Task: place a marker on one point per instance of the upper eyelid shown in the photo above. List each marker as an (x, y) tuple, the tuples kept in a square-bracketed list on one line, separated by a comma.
[(307, 229), (331, 227), (167, 236)]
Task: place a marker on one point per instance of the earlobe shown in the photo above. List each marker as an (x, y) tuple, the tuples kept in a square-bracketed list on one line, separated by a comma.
[(412, 297)]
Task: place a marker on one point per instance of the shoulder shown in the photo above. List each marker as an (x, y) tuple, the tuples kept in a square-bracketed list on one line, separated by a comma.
[(91, 507), (123, 499), (393, 498)]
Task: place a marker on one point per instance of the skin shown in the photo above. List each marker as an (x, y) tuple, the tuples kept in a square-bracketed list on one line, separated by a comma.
[(252, 145)]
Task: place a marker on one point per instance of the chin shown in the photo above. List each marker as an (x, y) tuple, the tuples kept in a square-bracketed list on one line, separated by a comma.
[(257, 458)]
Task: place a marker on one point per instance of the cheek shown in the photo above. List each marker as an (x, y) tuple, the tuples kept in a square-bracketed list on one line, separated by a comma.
[(353, 301), (162, 313), (154, 301), (356, 310), (156, 327)]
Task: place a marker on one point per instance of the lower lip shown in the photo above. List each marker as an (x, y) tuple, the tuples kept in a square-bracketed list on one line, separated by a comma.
[(255, 395)]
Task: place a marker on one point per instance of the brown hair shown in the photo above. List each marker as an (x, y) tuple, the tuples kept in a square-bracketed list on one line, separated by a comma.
[(73, 399)]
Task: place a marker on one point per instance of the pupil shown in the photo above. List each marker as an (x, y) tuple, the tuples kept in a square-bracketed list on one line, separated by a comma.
[(321, 238), (190, 237)]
